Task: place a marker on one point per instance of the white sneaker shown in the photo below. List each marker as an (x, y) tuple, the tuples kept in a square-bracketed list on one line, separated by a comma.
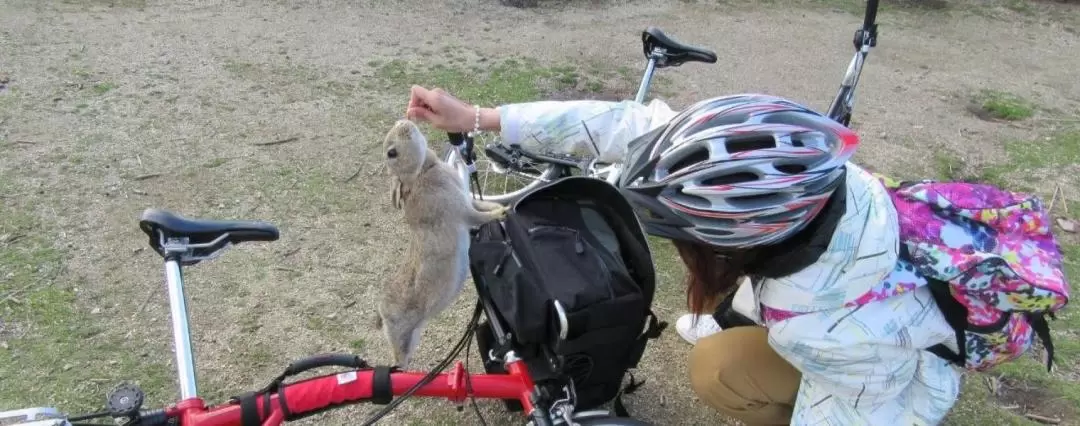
[(691, 332)]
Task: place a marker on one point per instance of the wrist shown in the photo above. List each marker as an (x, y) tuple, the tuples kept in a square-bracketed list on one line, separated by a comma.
[(489, 120)]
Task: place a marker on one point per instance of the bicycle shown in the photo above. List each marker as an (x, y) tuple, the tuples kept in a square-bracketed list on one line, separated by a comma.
[(184, 242), (661, 51)]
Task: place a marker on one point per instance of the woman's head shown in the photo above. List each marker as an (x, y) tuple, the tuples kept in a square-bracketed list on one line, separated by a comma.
[(737, 172)]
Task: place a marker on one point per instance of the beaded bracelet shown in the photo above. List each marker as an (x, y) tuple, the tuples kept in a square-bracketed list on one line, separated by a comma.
[(476, 124)]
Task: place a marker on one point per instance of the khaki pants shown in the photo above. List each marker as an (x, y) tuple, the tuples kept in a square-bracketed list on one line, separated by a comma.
[(736, 372)]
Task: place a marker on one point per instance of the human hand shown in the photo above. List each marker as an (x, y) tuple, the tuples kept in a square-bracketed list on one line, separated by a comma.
[(441, 109)]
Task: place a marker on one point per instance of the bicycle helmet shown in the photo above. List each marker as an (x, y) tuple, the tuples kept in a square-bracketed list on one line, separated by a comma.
[(736, 171)]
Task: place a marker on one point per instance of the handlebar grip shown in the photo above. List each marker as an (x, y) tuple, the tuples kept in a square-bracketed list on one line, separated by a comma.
[(871, 14), (325, 360), (456, 139)]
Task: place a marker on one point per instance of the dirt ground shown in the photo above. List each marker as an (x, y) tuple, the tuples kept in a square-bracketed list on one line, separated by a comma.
[(108, 108)]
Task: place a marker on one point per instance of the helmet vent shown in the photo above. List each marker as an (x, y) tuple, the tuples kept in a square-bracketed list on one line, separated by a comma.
[(696, 157), (749, 144), (790, 169), (756, 201), (730, 179)]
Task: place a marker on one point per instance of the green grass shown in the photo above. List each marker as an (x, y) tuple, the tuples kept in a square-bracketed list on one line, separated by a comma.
[(1057, 150), (53, 352), (103, 88), (1004, 106)]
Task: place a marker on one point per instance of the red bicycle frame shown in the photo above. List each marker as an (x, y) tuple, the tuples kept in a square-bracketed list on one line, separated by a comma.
[(328, 391)]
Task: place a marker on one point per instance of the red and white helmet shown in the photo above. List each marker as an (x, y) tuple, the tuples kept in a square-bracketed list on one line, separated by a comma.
[(736, 171)]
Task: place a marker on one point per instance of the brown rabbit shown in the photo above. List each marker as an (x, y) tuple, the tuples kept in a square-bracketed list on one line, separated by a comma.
[(439, 213)]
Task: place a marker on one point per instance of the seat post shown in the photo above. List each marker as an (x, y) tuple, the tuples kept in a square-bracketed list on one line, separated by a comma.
[(646, 79), (185, 365)]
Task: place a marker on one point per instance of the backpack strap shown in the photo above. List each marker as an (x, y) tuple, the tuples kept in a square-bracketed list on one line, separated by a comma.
[(1042, 331), (956, 315)]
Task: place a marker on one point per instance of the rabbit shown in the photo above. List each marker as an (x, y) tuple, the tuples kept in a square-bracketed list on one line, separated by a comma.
[(439, 214)]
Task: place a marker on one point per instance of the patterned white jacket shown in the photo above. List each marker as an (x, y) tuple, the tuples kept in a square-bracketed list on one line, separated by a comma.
[(861, 365)]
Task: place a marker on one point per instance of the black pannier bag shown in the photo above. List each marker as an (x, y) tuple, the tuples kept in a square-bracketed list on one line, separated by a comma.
[(570, 276)]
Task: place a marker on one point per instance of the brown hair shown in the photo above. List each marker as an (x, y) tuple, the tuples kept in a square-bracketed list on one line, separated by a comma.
[(710, 275)]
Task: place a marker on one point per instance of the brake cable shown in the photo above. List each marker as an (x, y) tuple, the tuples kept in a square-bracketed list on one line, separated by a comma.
[(465, 340)]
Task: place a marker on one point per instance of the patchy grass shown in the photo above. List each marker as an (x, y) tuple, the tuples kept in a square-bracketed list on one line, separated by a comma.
[(103, 88), (1054, 151), (52, 349), (993, 104)]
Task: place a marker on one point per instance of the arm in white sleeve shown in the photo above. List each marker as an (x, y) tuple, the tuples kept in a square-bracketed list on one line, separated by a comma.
[(592, 128), (865, 365)]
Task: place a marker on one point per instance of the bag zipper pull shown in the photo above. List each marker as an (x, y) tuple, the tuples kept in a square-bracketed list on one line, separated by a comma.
[(579, 245), (506, 254)]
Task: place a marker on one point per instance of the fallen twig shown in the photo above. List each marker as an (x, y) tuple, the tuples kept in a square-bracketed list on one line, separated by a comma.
[(1053, 199), (24, 142), (1061, 120), (142, 307), (355, 174), (1043, 419), (146, 176), (277, 142), (8, 239), (11, 295), (291, 252), (993, 384), (282, 268)]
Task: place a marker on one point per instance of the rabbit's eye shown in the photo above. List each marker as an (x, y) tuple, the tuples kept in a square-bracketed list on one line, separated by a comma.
[(392, 153)]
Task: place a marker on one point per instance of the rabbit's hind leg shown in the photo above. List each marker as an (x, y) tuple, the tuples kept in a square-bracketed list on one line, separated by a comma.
[(403, 334)]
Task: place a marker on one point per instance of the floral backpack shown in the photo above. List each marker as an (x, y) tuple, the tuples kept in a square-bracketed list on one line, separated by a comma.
[(992, 262)]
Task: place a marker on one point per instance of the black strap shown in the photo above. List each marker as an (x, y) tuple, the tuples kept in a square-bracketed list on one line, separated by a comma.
[(382, 392), (620, 408), (1042, 331), (249, 409), (656, 327), (286, 415), (955, 315)]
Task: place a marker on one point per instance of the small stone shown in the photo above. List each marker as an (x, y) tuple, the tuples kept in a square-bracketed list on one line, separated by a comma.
[(1067, 225), (95, 311), (68, 367), (3, 345), (331, 315)]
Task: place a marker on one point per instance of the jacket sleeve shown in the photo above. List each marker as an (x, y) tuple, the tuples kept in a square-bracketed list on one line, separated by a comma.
[(864, 365), (584, 127)]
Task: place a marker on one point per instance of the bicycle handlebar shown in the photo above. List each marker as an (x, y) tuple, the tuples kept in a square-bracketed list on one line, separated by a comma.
[(278, 402), (871, 14)]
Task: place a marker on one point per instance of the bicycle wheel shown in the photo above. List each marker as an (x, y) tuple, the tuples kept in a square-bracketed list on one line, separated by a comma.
[(600, 418), (496, 183)]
